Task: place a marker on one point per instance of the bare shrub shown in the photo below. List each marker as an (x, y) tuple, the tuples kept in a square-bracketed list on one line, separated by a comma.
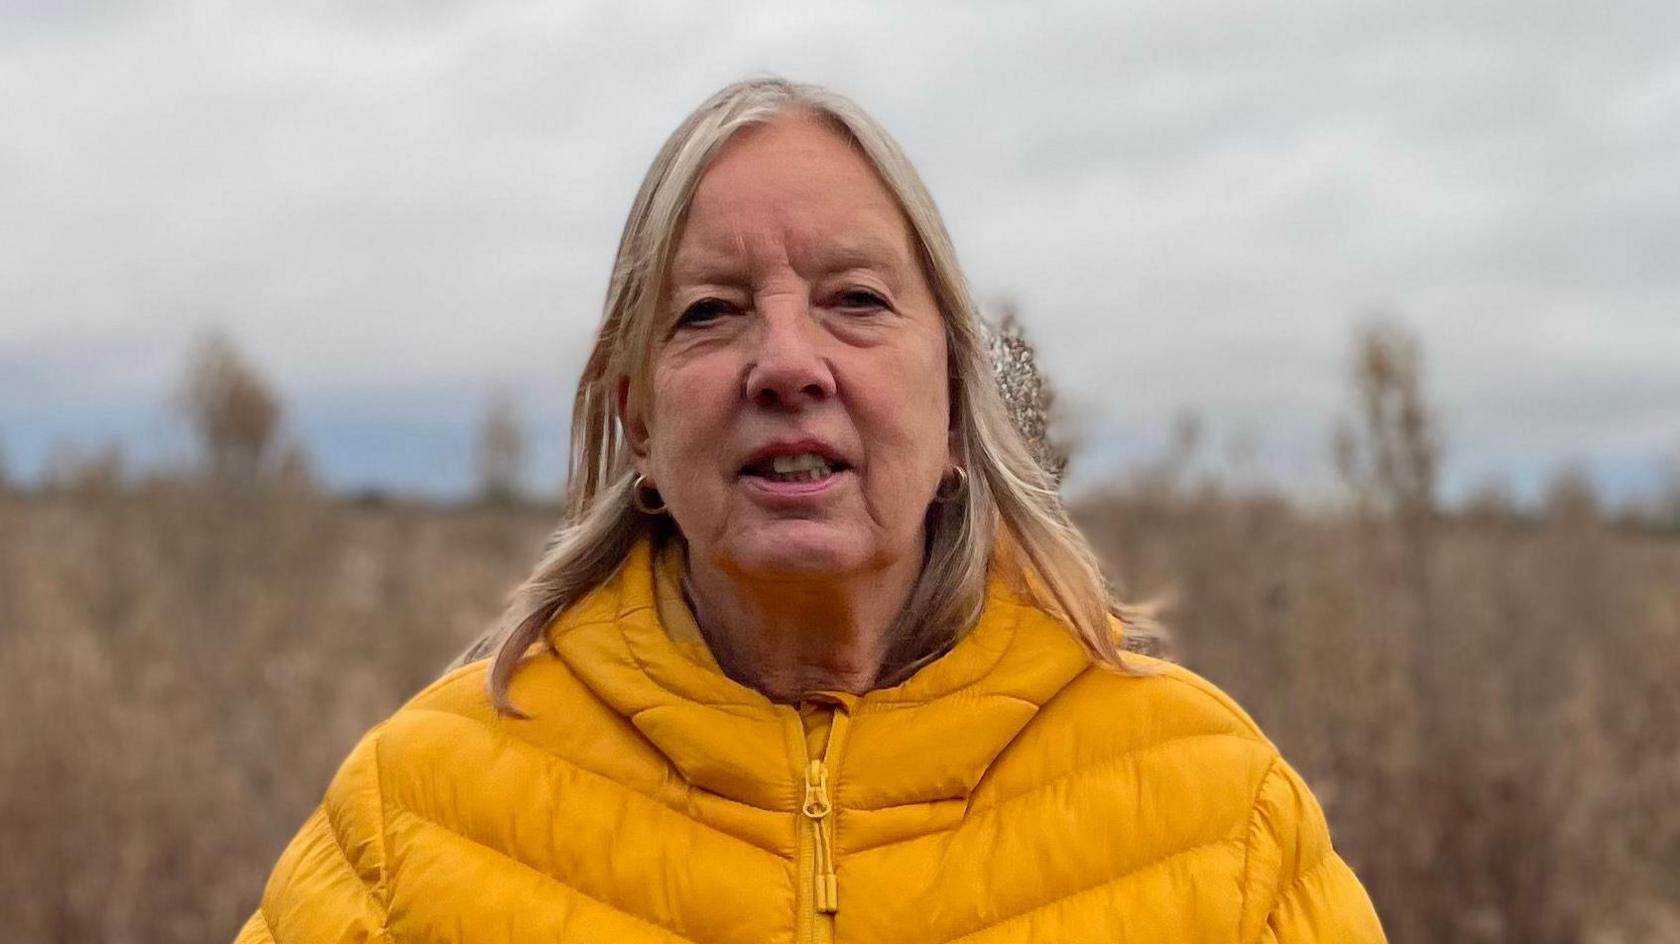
[(73, 470), (501, 453), (234, 415), (1666, 514), (1390, 453)]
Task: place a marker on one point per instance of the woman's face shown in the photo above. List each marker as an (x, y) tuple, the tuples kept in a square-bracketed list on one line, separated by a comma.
[(799, 414)]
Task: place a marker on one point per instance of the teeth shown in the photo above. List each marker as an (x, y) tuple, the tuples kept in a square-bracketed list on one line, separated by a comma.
[(805, 467), (804, 462), (809, 475)]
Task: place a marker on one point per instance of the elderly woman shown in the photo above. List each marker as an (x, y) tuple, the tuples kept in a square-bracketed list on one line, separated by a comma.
[(817, 654)]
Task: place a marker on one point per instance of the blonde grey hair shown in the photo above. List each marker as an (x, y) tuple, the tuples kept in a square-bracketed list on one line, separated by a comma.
[(1006, 485)]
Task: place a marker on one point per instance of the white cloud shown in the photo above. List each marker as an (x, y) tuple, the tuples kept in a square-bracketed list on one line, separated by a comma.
[(402, 204)]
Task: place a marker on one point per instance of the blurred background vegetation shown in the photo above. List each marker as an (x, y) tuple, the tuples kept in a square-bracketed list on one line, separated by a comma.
[(1482, 696)]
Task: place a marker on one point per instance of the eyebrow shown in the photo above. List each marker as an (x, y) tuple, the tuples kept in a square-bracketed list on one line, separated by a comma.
[(862, 252)]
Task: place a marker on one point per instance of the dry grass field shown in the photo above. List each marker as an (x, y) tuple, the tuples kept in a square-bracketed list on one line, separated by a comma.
[(1485, 702), (1486, 705)]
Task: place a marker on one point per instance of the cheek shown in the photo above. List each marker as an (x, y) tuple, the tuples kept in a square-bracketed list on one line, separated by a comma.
[(911, 406), (932, 397), (691, 407)]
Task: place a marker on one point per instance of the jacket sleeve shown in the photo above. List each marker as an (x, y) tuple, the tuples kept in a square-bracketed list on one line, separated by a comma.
[(329, 884), (1297, 890)]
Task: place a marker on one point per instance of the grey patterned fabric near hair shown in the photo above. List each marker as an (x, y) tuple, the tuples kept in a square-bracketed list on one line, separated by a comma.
[(1025, 393)]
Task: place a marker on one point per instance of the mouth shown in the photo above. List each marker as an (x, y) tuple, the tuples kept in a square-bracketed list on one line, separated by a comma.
[(806, 462), (801, 467)]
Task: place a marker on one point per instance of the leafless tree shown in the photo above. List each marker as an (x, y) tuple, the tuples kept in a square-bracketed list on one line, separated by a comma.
[(1390, 453), (501, 452), (1668, 497), (234, 414)]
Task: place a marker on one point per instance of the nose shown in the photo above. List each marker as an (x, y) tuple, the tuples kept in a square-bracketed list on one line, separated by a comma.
[(788, 369)]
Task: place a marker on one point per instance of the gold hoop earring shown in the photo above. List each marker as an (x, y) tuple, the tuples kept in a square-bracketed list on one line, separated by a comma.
[(639, 502), (961, 485)]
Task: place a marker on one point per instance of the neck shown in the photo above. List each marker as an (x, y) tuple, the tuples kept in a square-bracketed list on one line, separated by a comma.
[(788, 638)]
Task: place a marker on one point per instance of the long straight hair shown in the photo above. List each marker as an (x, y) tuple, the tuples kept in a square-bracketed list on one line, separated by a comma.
[(1006, 486)]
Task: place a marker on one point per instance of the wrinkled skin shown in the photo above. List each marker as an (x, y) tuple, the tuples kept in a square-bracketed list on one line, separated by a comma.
[(797, 309)]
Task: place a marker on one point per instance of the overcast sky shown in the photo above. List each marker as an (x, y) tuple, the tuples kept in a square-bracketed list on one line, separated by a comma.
[(396, 208)]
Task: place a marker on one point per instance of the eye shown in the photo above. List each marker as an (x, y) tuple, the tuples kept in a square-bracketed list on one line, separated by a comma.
[(702, 312), (861, 299)]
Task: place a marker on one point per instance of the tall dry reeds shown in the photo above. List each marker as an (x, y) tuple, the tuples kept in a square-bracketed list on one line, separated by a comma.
[(1485, 702), (181, 670)]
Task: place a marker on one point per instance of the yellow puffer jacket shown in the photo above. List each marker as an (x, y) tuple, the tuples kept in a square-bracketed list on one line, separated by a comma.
[(1009, 791)]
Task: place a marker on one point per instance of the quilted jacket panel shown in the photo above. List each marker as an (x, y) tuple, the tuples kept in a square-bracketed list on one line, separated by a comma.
[(1010, 791)]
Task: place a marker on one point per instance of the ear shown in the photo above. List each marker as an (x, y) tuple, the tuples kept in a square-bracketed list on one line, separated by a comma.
[(634, 425)]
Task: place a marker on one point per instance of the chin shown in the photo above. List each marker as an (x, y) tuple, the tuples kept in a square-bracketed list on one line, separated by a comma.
[(799, 548)]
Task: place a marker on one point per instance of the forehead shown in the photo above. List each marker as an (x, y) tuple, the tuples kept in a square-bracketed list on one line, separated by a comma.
[(796, 191)]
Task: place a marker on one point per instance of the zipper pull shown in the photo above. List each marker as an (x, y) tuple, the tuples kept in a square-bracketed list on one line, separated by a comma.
[(816, 809)]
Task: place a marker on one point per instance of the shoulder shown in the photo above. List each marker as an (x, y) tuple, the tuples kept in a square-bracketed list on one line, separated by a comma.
[(427, 728), (461, 691), (1153, 702), (1158, 728), (453, 719), (335, 874), (1178, 689), (448, 750), (1200, 748), (437, 715)]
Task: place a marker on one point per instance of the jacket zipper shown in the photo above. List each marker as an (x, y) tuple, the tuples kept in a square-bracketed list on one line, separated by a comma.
[(826, 893), (817, 843)]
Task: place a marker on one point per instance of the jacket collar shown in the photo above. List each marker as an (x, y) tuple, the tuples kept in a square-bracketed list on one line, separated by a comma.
[(930, 738)]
